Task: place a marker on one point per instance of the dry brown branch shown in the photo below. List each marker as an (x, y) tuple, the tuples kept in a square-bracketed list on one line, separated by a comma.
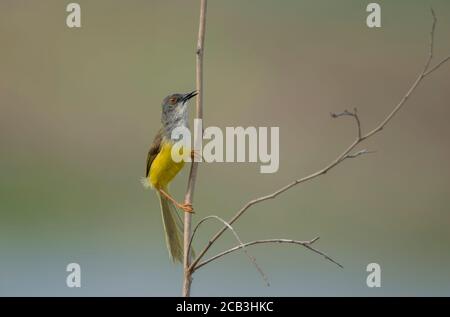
[(353, 114), (359, 153), (241, 244), (189, 197), (306, 244), (347, 153)]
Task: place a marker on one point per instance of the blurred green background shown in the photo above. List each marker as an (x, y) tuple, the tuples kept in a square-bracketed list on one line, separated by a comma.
[(79, 108)]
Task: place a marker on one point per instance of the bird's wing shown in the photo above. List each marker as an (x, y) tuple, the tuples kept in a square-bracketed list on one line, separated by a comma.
[(154, 150)]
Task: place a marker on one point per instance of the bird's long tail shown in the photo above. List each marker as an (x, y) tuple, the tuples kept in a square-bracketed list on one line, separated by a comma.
[(173, 228)]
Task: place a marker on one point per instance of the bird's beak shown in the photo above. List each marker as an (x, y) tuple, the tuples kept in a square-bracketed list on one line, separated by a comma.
[(188, 96)]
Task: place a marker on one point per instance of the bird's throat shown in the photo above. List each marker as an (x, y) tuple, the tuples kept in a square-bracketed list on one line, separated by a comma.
[(178, 118)]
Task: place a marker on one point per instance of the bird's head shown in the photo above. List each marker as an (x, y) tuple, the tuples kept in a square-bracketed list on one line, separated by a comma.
[(174, 109)]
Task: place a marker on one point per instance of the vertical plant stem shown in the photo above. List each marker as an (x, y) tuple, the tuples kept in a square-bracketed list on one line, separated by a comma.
[(189, 197)]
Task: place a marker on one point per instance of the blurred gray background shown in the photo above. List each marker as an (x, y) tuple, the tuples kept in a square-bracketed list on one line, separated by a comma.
[(79, 108)]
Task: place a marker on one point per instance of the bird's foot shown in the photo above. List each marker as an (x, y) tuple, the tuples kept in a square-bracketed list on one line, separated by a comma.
[(186, 208)]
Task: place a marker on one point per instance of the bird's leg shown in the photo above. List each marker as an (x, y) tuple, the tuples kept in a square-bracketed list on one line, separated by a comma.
[(185, 207)]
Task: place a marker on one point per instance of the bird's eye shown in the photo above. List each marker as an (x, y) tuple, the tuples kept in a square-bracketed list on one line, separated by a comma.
[(173, 100)]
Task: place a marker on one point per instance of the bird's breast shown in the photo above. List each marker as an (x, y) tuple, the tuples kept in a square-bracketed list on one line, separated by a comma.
[(163, 168)]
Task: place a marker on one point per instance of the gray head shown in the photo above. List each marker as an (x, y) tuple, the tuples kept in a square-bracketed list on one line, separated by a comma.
[(174, 111)]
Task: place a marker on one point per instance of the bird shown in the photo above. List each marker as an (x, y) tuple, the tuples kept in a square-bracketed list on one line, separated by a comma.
[(161, 169)]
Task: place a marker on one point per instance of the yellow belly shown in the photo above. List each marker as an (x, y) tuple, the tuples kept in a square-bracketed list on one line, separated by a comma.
[(163, 168)]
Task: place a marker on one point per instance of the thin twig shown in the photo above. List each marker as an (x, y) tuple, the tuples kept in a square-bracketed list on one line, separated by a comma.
[(435, 67), (353, 114), (359, 139), (240, 246), (431, 53), (359, 153), (306, 244), (189, 197)]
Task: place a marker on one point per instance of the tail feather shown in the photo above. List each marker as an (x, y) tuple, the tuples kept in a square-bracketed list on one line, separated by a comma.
[(173, 229)]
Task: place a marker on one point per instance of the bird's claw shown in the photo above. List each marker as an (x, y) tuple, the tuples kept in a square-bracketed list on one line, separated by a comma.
[(187, 208)]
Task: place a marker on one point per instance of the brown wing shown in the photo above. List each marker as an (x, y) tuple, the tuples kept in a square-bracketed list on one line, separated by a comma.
[(154, 150)]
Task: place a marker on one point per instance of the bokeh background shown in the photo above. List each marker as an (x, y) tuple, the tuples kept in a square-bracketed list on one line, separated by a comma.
[(79, 108)]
